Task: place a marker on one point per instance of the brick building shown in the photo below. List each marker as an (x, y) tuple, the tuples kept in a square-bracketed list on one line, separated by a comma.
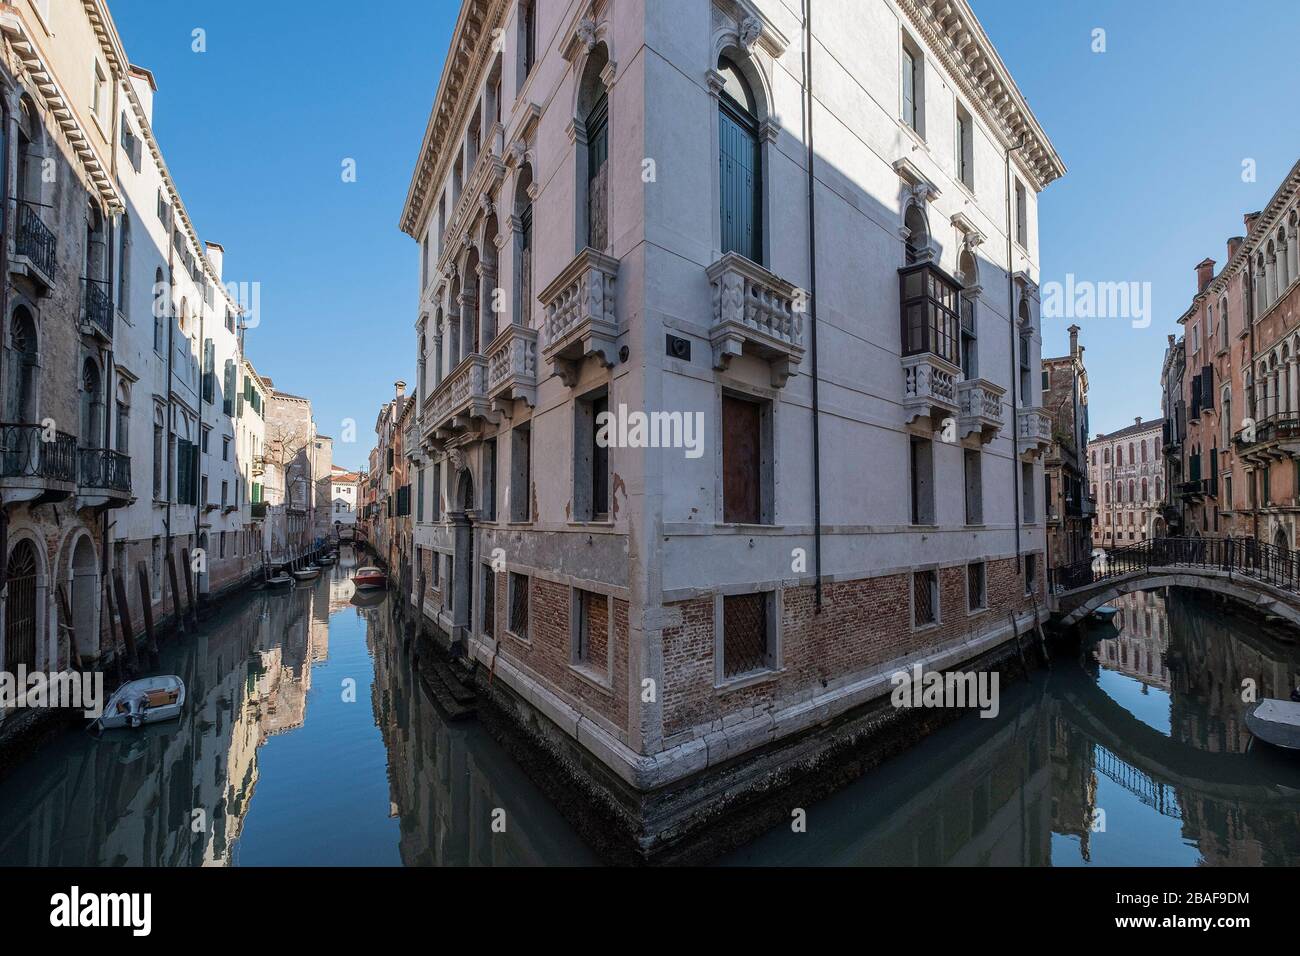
[(1235, 454), (674, 597), (1128, 481), (1070, 504)]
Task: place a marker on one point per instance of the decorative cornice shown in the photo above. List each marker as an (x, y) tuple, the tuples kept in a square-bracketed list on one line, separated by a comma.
[(954, 35)]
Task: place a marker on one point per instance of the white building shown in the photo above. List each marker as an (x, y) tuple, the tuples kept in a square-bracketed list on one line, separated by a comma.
[(343, 496), (612, 207)]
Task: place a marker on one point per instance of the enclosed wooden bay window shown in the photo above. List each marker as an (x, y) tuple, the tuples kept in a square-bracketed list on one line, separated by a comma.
[(930, 307)]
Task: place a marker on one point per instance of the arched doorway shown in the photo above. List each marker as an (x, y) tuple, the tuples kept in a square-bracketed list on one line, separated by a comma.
[(85, 599), (463, 570), (20, 607)]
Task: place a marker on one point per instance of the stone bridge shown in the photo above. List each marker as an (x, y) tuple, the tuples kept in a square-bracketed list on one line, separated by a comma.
[(1261, 576)]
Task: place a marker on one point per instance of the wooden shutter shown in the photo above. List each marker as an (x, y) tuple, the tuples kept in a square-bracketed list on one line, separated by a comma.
[(739, 168), (741, 461)]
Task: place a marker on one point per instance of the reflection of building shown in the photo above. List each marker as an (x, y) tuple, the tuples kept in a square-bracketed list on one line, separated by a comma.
[(1070, 505), (343, 498), (1128, 479), (1139, 648)]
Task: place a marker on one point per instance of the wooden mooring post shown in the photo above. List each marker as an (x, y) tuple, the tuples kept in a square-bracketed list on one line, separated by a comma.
[(111, 611), (189, 584), (178, 612), (124, 615), (146, 603)]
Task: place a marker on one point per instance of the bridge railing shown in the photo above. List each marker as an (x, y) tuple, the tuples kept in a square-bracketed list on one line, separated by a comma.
[(1279, 567)]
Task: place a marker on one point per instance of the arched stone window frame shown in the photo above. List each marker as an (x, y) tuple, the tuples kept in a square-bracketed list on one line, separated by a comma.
[(739, 46), (45, 626), (90, 389), (968, 274), (591, 125), (22, 352), (523, 194)]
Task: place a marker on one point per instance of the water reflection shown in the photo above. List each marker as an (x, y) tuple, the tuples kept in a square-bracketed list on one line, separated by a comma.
[(309, 740), (312, 739), (1138, 755)]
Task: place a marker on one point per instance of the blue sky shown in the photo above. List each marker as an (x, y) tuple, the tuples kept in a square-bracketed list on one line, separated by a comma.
[(255, 131)]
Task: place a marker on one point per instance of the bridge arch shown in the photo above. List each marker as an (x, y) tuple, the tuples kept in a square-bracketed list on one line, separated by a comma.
[(1074, 607)]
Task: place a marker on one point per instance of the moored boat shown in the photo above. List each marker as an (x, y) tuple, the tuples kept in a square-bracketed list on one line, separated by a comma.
[(1105, 612), (309, 573), (1276, 722), (145, 701), (279, 582), (369, 577)]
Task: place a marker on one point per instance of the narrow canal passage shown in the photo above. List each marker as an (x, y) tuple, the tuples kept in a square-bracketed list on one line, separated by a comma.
[(309, 739)]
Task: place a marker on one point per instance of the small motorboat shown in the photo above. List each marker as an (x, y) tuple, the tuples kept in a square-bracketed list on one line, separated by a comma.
[(1105, 612), (326, 560), (279, 582), (1276, 722), (370, 577), (308, 573), (145, 701), (371, 597)]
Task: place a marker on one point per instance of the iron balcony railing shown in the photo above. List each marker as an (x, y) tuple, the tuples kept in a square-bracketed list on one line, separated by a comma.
[(35, 240), (259, 509), (97, 305), (24, 453), (1270, 428), (1279, 567), (105, 468)]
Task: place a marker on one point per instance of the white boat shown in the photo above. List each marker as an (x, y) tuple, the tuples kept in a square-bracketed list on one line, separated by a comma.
[(307, 573), (1276, 722), (145, 701), (279, 582)]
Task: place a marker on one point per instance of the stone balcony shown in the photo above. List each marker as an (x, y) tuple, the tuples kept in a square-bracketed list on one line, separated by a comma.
[(580, 315), (980, 409), (929, 388), (1033, 432), (461, 397), (512, 369), (103, 478), (754, 313)]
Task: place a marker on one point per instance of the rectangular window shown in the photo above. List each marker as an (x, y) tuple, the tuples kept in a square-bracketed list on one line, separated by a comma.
[(225, 449), (976, 596), (1027, 492), (929, 312), (745, 465), (911, 89), (925, 597), (965, 149), (521, 447), (590, 619), (740, 171), (518, 598), (435, 569), (436, 508), (225, 493), (921, 468), (489, 601), (1031, 573), (1022, 215), (974, 473), (528, 10), (591, 459), (419, 495), (747, 633), (97, 94)]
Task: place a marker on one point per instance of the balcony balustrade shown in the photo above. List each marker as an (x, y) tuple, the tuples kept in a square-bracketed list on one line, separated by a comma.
[(1033, 431), (581, 321), (980, 408), (755, 313), (103, 477), (1273, 438), (512, 368), (929, 388), (461, 397), (34, 469), (35, 246), (96, 308)]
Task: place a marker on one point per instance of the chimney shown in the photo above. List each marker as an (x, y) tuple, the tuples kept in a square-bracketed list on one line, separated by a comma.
[(1171, 340), (1137, 420), (216, 255), (1074, 341), (1204, 273), (1249, 220), (1233, 245), (400, 387), (143, 84)]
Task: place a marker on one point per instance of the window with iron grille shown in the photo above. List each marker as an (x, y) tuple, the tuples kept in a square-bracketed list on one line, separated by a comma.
[(435, 570), (585, 623), (1031, 573), (518, 604), (925, 597), (974, 473), (746, 633), (489, 601), (976, 592), (520, 454)]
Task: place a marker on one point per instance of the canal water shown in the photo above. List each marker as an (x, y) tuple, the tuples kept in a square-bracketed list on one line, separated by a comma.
[(309, 739)]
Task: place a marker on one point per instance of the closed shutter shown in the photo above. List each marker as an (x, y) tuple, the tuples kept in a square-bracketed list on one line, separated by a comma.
[(598, 174), (739, 168), (741, 469)]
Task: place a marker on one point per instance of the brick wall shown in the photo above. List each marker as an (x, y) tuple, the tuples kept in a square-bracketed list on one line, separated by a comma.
[(863, 623)]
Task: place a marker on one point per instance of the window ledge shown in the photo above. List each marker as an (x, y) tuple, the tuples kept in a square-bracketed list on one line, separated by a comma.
[(967, 191), (522, 640), (745, 527), (589, 675), (977, 611), (592, 525), (924, 628), (748, 679), (916, 137), (524, 523)]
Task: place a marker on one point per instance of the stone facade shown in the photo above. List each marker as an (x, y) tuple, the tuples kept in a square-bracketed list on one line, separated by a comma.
[(1129, 484), (1067, 491), (691, 602)]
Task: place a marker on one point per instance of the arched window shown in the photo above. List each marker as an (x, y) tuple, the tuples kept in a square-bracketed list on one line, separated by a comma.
[(524, 247), (1026, 360), (159, 454), (96, 269), (161, 308), (967, 272), (1146, 496), (593, 151), (1131, 489), (740, 164), (123, 265), (20, 607), (1225, 402), (122, 425), (21, 367), (92, 406), (1119, 456)]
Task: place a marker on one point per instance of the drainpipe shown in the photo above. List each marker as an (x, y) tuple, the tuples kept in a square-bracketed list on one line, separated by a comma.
[(1015, 377), (812, 309), (10, 186), (110, 365), (1250, 324)]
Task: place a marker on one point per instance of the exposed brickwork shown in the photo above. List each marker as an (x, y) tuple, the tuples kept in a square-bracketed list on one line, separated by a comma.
[(863, 623)]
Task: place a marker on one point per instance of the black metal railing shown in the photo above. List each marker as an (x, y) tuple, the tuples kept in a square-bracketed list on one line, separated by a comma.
[(104, 468), (1270, 428), (24, 453), (35, 240), (97, 305), (1279, 567), (259, 509)]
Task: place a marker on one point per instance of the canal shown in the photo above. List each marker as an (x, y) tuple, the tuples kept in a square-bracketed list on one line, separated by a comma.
[(309, 739)]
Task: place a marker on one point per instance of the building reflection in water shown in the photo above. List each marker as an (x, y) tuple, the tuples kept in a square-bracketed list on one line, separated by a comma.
[(178, 794)]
